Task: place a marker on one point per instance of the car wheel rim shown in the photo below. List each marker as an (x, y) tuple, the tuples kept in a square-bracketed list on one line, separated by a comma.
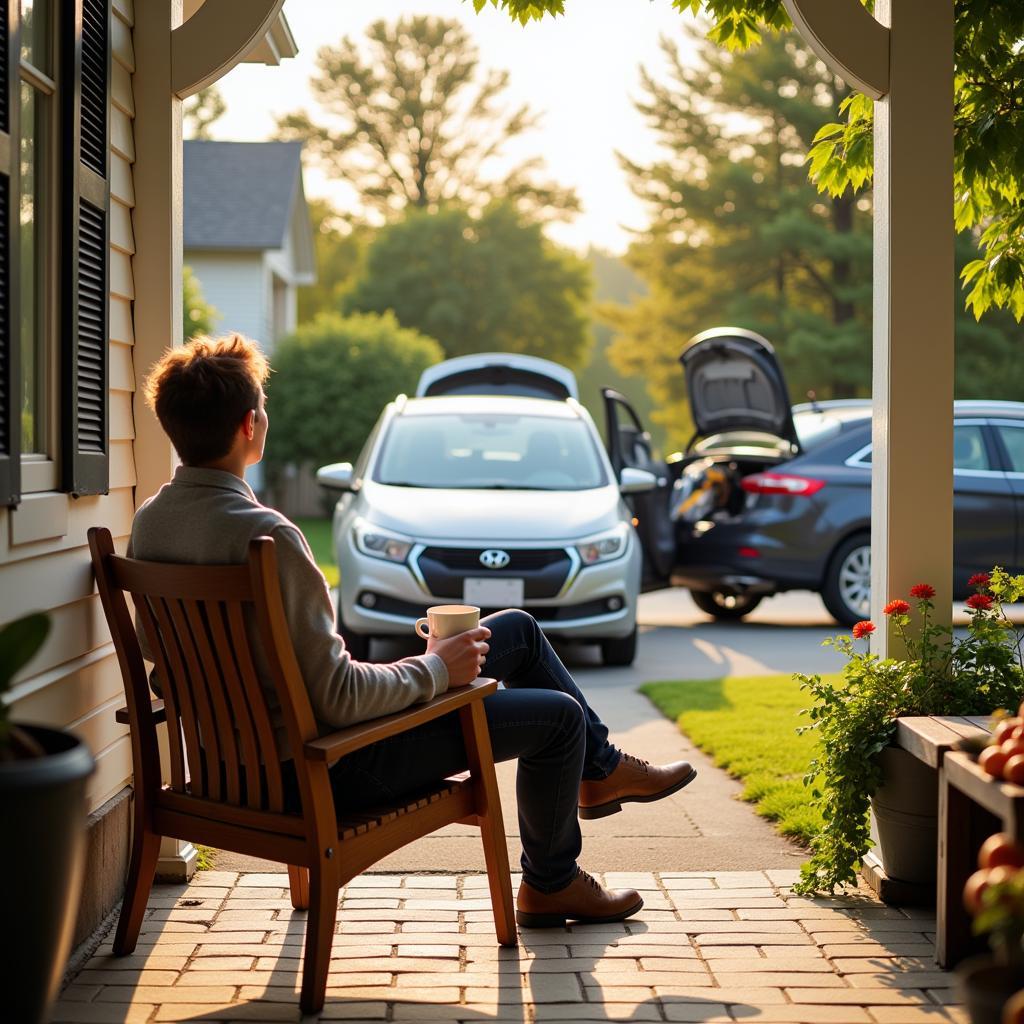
[(855, 581)]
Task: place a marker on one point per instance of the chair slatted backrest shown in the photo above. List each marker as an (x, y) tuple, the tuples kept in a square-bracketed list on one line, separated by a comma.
[(197, 621)]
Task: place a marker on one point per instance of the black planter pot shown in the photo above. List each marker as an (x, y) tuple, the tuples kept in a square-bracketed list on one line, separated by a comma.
[(986, 985), (42, 855), (905, 809)]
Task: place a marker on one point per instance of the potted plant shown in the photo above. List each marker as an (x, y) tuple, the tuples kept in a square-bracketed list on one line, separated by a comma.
[(856, 719), (43, 774), (994, 896)]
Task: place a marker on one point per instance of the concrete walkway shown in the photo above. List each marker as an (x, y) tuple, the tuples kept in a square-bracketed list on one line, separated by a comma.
[(708, 946), (704, 827)]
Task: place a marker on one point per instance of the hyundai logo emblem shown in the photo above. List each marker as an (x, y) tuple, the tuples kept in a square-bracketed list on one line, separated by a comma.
[(492, 558)]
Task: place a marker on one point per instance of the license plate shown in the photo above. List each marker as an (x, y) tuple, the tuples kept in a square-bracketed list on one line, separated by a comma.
[(491, 592)]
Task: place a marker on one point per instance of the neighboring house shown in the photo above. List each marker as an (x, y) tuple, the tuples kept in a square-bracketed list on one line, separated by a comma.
[(247, 236), (90, 295)]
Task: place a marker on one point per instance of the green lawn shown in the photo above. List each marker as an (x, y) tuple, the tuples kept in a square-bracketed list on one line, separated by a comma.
[(318, 534), (748, 726)]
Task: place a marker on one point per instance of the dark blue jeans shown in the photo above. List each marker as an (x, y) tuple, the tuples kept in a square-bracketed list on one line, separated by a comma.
[(540, 717)]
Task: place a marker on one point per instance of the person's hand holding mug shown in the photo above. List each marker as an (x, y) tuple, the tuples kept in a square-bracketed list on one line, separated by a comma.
[(454, 633)]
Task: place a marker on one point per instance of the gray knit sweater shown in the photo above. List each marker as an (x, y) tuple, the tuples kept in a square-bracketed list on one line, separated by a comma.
[(208, 517)]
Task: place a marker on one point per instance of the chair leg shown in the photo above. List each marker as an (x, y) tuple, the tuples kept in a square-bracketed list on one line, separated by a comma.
[(298, 883), (323, 912), (141, 869), (492, 826)]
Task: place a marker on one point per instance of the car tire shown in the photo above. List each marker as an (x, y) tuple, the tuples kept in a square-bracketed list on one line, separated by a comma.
[(619, 650), (357, 644), (728, 607), (848, 581)]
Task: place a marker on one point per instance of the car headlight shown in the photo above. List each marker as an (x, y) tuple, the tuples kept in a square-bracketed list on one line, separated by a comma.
[(378, 543), (604, 547)]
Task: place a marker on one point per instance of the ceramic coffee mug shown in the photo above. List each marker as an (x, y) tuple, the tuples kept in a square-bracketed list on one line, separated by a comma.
[(445, 620)]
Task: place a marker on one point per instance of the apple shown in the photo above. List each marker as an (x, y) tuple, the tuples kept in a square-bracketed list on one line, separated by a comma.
[(976, 885), (1004, 728), (1013, 1011), (1001, 850), (1013, 770), (993, 760)]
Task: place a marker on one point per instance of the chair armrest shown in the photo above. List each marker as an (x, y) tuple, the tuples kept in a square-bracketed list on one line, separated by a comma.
[(156, 710), (344, 741)]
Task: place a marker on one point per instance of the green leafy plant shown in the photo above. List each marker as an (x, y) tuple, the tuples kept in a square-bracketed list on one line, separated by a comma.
[(19, 642), (855, 718)]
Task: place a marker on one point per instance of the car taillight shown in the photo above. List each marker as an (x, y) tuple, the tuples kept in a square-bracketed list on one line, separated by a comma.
[(781, 483)]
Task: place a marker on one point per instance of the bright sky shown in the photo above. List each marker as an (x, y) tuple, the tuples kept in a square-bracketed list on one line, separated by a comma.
[(579, 72)]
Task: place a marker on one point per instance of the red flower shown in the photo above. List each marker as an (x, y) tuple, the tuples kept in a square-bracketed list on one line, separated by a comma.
[(979, 579), (922, 591), (863, 629), (896, 607), (979, 602)]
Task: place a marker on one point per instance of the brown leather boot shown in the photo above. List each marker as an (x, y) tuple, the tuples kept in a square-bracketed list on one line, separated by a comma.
[(632, 780), (583, 900)]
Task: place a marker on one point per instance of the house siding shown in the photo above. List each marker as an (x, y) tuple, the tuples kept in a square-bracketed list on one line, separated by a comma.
[(235, 285), (74, 681)]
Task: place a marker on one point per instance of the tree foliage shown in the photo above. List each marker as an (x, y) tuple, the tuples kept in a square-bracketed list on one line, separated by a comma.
[(202, 111), (332, 379), (737, 234), (409, 120), (339, 247), (988, 119), (491, 282), (198, 316)]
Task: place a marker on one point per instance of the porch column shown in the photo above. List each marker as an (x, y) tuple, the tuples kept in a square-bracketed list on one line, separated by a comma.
[(157, 221), (912, 371)]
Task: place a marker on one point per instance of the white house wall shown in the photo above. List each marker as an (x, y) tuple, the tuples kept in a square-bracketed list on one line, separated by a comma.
[(235, 284), (74, 681)]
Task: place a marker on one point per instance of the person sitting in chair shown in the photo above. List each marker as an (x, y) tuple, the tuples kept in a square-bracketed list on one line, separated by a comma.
[(208, 397)]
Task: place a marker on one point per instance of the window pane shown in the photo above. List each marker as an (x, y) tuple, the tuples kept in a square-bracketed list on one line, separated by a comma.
[(35, 33), (969, 448), (1013, 438), (490, 450), (33, 366)]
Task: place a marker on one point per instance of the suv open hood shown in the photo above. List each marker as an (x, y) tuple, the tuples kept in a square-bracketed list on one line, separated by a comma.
[(498, 373), (734, 382)]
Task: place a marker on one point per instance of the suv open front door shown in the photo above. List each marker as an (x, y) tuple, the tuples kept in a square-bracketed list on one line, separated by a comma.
[(629, 446)]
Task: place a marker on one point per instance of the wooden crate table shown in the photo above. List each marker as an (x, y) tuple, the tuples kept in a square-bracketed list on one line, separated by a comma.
[(972, 806), (926, 738)]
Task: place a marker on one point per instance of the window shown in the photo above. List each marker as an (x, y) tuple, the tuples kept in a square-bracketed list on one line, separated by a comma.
[(54, 247), (969, 451), (37, 269), (1013, 437)]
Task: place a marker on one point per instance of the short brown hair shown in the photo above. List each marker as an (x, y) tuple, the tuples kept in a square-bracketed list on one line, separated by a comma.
[(201, 393)]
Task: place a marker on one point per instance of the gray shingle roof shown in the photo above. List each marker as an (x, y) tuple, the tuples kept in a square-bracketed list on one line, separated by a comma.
[(238, 195)]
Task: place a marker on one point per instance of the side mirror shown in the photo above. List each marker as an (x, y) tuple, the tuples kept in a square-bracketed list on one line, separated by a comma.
[(335, 477), (636, 481)]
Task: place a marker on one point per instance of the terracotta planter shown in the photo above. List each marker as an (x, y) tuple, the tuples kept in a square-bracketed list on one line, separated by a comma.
[(985, 987), (43, 814), (905, 810)]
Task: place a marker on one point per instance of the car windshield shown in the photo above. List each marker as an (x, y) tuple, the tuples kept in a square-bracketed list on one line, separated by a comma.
[(490, 452)]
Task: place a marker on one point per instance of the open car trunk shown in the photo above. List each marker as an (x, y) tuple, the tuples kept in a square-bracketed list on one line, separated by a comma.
[(742, 417)]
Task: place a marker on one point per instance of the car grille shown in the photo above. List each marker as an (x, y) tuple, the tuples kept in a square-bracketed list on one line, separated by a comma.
[(542, 570), (547, 613)]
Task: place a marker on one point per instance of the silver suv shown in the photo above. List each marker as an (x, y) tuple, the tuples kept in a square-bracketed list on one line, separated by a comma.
[(490, 487)]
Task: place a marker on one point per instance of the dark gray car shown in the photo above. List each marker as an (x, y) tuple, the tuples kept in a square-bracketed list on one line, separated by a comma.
[(769, 497)]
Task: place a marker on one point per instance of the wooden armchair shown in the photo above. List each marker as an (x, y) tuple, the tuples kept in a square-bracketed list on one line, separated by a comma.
[(226, 786)]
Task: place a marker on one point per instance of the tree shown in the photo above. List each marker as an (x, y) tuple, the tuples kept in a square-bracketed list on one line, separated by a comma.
[(988, 122), (486, 283), (201, 111), (409, 121), (339, 247), (198, 316), (332, 379), (737, 233)]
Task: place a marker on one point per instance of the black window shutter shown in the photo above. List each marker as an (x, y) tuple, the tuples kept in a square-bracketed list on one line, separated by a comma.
[(10, 376), (85, 234)]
